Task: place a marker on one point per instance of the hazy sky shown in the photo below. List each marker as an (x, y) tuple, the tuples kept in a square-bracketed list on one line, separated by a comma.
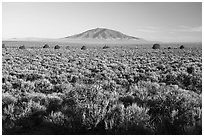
[(151, 21)]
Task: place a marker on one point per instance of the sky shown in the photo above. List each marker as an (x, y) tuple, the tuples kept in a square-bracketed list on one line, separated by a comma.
[(167, 21)]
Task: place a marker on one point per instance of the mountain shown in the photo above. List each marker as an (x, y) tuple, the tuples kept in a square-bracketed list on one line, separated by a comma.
[(93, 36), (102, 34)]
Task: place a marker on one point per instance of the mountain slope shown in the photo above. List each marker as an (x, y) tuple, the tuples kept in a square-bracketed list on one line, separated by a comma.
[(103, 33)]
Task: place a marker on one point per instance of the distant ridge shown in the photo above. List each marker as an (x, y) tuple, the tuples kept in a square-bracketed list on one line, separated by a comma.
[(103, 34)]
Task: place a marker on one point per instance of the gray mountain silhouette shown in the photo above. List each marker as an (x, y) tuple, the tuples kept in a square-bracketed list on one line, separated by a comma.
[(102, 33)]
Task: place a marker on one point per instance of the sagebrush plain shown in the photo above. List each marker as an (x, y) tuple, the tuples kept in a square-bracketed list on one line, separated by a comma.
[(118, 90)]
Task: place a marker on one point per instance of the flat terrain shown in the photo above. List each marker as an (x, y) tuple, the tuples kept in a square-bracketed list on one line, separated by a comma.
[(97, 43), (118, 90)]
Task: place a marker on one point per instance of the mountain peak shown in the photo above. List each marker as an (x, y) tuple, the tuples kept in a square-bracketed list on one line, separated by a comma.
[(103, 33)]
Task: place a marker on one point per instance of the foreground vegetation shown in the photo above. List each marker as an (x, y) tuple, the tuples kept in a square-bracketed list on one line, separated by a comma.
[(101, 91)]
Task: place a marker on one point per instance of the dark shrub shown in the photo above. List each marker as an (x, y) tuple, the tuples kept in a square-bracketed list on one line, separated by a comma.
[(156, 46), (32, 77), (22, 47), (181, 47), (127, 100), (190, 70), (67, 47), (106, 47), (46, 46), (57, 47), (161, 67), (169, 47), (83, 48), (3, 46)]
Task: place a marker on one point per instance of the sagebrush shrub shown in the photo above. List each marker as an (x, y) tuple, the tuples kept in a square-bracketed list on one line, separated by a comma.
[(8, 99), (43, 85)]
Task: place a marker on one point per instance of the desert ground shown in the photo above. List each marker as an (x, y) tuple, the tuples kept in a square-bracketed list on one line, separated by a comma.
[(122, 89)]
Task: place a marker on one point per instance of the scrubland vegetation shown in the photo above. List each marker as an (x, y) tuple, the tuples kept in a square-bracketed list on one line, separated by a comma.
[(101, 91)]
